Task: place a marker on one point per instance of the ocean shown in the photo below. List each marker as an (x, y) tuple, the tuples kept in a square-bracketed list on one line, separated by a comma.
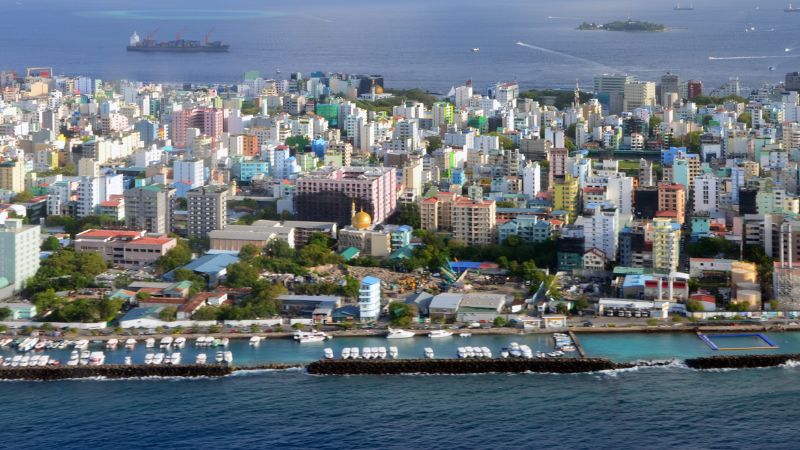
[(413, 43), (657, 407)]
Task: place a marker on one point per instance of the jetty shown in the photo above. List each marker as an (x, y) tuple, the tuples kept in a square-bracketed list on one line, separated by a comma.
[(577, 343), (461, 366), (741, 361)]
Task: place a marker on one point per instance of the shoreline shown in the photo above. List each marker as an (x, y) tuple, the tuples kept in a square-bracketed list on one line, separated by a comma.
[(424, 333)]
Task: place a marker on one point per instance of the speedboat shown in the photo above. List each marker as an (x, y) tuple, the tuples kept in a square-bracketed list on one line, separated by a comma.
[(328, 353), (166, 342), (148, 359), (310, 336), (393, 353), (429, 353), (130, 343), (219, 357), (112, 343), (128, 360), (228, 357), (464, 335), (354, 354), (541, 355), (567, 348), (201, 358), (43, 360), (175, 359), (150, 342), (158, 358), (526, 351), (461, 352), (366, 352), (514, 350), (440, 334), (346, 353), (97, 358), (487, 353), (504, 353), (200, 341), (397, 333), (39, 346), (255, 341), (382, 352), (179, 342), (224, 342), (85, 354)]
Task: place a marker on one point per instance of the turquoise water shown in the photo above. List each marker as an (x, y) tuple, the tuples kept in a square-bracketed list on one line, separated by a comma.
[(634, 346)]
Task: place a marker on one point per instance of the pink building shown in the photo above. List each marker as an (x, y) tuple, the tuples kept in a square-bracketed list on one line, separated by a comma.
[(122, 248), (210, 122)]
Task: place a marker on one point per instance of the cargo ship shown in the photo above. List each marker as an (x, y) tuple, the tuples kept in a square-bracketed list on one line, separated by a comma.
[(148, 44), (790, 8)]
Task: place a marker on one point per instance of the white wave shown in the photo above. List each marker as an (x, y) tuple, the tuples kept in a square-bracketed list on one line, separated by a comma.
[(790, 364), (249, 372), (562, 54), (732, 58)]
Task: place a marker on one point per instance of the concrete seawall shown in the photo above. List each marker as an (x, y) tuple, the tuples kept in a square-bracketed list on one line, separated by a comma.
[(461, 366), (112, 371), (741, 361)]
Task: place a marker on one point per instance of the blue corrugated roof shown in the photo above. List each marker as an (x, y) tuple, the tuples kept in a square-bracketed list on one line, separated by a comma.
[(212, 263), (370, 280)]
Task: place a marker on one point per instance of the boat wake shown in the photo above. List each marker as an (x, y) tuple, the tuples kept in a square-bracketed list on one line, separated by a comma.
[(562, 54), (733, 58)]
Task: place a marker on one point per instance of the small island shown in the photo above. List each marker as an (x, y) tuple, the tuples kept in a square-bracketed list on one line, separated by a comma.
[(624, 25)]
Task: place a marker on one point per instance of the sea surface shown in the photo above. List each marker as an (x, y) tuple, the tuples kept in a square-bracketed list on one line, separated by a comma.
[(657, 407), (413, 43)]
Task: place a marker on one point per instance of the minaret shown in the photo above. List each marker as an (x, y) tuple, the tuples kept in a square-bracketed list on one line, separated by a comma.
[(577, 100)]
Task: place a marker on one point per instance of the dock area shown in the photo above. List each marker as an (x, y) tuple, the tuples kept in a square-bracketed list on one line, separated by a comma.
[(577, 344)]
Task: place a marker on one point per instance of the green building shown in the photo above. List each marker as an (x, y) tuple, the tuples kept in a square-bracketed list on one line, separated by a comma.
[(330, 111), (480, 123)]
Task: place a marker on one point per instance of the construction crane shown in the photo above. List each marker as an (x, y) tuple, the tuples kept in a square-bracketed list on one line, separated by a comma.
[(208, 34), (151, 35), (179, 34)]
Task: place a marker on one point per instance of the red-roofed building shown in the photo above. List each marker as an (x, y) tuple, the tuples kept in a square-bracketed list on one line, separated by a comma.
[(113, 207), (123, 248)]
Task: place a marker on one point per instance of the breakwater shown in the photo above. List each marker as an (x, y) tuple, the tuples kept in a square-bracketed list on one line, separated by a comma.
[(741, 361), (112, 371), (461, 366)]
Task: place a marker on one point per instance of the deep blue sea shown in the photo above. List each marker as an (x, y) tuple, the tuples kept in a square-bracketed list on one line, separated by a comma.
[(414, 43), (655, 407)]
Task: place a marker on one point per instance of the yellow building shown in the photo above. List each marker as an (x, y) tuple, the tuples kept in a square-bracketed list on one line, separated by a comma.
[(666, 245), (565, 196), (12, 176)]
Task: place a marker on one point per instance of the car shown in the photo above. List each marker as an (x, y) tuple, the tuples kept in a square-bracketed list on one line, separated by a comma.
[(588, 324)]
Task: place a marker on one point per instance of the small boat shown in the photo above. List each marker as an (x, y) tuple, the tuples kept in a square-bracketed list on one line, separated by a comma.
[(224, 342), (150, 342), (33, 361), (393, 353), (128, 360), (429, 353), (200, 341), (97, 358), (255, 341), (82, 344), (504, 353), (328, 353), (72, 362), (541, 355), (567, 348), (461, 352), (16, 360), (112, 343), (159, 358), (130, 343), (354, 353), (487, 353), (464, 335), (148, 359), (85, 354), (346, 353), (397, 333), (43, 360), (440, 334), (179, 342), (228, 357), (514, 350), (476, 50), (526, 351), (366, 353), (219, 357), (305, 337), (166, 342), (382, 352), (39, 346), (201, 358), (175, 359)]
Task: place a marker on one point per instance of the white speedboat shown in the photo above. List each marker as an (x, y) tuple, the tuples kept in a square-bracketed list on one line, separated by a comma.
[(82, 344), (39, 346), (97, 358), (477, 352), (382, 352), (43, 360), (393, 353), (397, 333), (465, 335), (440, 334), (175, 359), (255, 341), (305, 337), (366, 352), (487, 353), (228, 357), (128, 360), (200, 341), (429, 353), (85, 354), (130, 344), (148, 358), (179, 342), (219, 357), (224, 342), (150, 342), (166, 342), (461, 352), (346, 353), (201, 358), (567, 348), (504, 353), (328, 353), (354, 354), (112, 343), (514, 350)]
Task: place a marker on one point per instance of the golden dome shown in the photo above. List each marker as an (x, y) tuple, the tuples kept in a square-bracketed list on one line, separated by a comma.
[(379, 89), (361, 220)]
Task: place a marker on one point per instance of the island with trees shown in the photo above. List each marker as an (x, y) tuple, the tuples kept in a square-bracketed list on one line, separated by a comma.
[(624, 25)]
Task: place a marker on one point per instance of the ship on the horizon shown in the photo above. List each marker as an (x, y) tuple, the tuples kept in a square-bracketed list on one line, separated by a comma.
[(790, 8), (148, 44), (678, 7)]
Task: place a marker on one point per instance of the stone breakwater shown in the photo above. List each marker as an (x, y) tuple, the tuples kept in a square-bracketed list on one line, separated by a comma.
[(461, 366), (741, 361), (112, 371)]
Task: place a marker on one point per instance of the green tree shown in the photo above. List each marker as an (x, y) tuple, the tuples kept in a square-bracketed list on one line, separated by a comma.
[(745, 118), (5, 313), (297, 142), (205, 313), (401, 314), (434, 143), (499, 321), (178, 256), (277, 248), (407, 214), (168, 314), (351, 287), (47, 300), (242, 274), (248, 252), (694, 306), (51, 244), (22, 197)]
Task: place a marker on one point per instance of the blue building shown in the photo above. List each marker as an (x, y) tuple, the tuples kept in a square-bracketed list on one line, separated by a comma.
[(245, 170), (148, 131), (318, 146), (668, 156), (369, 299), (457, 176)]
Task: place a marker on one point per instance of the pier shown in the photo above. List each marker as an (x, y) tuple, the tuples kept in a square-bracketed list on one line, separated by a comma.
[(461, 366), (577, 344)]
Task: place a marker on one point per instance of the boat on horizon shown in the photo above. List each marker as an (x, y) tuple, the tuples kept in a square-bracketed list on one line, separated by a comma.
[(179, 45), (678, 7), (791, 8)]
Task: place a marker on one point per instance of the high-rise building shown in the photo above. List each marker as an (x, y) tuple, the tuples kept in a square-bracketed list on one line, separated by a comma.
[(792, 82), (670, 83), (12, 176), (706, 188), (208, 210), (327, 194), (639, 94), (369, 299), (565, 195), (610, 88), (600, 229), (189, 171), (694, 88), (149, 208), (19, 246), (672, 197), (474, 221), (666, 245)]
